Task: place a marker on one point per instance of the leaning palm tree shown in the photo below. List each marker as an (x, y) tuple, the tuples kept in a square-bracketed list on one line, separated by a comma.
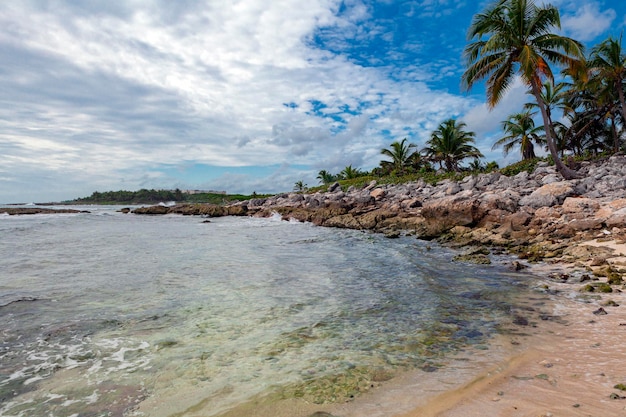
[(519, 39), (401, 155), (520, 131), (450, 143)]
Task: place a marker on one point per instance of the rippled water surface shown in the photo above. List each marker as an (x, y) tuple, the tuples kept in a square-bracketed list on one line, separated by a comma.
[(112, 314)]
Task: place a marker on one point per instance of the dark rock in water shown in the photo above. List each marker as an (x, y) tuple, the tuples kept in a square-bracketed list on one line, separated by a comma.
[(125, 210), (392, 234), (518, 266), (520, 321), (152, 210), (600, 312), (37, 210), (429, 368)]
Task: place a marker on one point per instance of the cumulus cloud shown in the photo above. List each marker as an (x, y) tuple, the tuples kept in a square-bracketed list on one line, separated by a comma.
[(588, 21), (105, 95), (484, 121)]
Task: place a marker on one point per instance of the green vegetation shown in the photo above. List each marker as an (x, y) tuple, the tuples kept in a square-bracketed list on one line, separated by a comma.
[(520, 131), (145, 196), (450, 143)]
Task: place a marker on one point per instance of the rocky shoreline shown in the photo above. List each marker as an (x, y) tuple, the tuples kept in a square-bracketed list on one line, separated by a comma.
[(13, 211), (536, 216)]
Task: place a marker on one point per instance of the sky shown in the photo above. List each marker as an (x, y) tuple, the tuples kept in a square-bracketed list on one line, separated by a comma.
[(239, 96)]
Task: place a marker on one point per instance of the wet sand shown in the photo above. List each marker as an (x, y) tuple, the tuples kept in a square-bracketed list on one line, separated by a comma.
[(566, 369), (567, 365)]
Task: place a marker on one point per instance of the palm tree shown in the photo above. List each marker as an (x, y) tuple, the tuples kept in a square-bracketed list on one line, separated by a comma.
[(608, 61), (349, 173), (554, 96), (326, 177), (401, 155), (593, 109), (300, 186), (521, 131), (450, 144), (519, 39)]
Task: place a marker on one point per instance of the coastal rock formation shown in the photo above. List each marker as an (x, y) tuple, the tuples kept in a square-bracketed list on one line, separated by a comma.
[(531, 213), (37, 210)]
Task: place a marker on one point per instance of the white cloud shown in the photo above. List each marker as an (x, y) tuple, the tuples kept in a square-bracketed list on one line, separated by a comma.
[(588, 21), (485, 121), (104, 95)]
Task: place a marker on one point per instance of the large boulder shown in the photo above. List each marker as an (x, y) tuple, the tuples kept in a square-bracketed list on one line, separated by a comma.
[(444, 213), (585, 206), (152, 210), (548, 195)]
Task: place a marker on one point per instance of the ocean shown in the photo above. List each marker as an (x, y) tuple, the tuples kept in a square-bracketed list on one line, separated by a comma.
[(112, 314)]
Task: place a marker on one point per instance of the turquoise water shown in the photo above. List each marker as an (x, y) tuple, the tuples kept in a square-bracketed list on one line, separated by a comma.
[(107, 314)]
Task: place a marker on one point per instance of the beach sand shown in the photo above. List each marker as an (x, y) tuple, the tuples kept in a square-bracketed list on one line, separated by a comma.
[(566, 369), (566, 364)]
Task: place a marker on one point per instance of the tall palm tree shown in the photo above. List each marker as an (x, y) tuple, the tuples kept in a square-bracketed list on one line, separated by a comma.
[(519, 39), (608, 61), (520, 131), (401, 154), (450, 143)]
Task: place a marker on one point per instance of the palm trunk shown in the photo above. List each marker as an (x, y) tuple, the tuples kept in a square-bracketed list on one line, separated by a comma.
[(566, 172), (615, 135), (620, 94)]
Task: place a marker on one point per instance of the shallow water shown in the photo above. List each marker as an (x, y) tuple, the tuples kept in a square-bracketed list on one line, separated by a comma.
[(112, 314)]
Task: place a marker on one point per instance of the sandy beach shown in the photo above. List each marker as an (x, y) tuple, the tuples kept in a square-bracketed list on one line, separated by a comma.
[(566, 369), (568, 365)]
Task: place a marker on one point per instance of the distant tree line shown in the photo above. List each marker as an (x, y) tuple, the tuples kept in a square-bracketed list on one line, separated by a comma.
[(145, 196)]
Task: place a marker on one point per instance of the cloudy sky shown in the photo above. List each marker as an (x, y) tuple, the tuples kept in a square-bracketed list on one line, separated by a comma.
[(235, 95)]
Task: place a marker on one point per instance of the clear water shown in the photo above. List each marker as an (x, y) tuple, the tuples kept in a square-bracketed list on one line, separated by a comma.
[(107, 314)]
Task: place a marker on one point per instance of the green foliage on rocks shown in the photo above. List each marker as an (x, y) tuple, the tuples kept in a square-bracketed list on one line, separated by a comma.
[(527, 165), (597, 287)]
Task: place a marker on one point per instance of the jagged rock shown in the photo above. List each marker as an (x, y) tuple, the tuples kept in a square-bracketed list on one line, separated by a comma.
[(347, 221), (371, 185), (580, 205), (548, 195), (152, 210), (617, 218), (378, 193), (334, 187), (444, 213)]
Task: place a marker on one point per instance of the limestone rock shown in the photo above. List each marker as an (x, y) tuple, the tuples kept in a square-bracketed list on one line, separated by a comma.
[(548, 195)]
